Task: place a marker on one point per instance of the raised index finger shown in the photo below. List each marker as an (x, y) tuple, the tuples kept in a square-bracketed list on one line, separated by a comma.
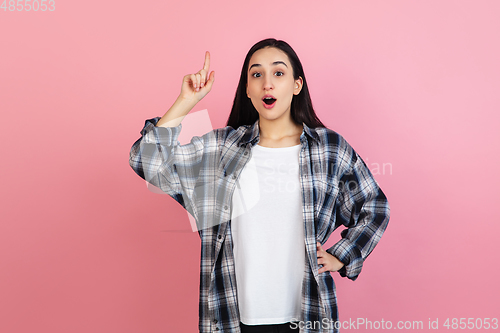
[(206, 65)]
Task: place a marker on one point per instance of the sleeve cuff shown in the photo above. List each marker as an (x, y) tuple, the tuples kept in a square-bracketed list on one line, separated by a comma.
[(348, 253), (166, 136)]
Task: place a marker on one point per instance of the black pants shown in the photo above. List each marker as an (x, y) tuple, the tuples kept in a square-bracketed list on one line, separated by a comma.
[(276, 328)]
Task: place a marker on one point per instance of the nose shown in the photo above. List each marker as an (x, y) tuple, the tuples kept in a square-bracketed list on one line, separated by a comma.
[(268, 83)]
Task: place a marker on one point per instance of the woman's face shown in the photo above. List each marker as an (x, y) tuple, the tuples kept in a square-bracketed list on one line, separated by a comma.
[(270, 77)]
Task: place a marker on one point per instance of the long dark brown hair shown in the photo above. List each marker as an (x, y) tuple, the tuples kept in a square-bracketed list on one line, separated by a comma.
[(244, 113)]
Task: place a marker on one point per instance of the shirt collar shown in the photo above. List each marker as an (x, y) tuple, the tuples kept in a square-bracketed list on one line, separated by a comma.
[(251, 134)]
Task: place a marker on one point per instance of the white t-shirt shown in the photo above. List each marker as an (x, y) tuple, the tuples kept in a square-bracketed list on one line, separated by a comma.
[(268, 236)]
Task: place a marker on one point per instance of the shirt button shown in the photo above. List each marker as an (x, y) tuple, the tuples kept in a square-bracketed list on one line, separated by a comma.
[(234, 176), (246, 153), (220, 236), (215, 321), (225, 207)]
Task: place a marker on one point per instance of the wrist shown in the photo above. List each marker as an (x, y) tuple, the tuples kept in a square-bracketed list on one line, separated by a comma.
[(174, 116), (186, 103)]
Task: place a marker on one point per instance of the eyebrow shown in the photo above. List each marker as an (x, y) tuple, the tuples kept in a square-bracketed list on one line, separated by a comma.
[(273, 64)]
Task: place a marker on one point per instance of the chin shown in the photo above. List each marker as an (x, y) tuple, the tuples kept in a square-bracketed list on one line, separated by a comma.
[(270, 115)]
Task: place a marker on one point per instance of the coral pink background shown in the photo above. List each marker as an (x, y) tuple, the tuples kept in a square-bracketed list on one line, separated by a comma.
[(85, 247)]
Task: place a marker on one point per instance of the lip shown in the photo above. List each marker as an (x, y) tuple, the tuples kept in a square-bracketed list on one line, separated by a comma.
[(270, 106), (268, 95)]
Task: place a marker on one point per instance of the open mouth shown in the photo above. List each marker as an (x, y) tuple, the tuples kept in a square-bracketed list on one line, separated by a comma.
[(269, 100)]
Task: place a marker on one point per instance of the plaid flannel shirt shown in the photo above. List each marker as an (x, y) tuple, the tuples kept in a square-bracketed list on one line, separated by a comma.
[(337, 189)]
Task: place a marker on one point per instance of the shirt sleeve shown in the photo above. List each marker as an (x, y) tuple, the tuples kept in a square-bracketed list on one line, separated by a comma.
[(363, 208), (158, 158)]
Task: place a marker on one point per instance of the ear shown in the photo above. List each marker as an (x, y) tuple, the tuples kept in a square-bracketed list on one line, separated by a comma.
[(298, 86)]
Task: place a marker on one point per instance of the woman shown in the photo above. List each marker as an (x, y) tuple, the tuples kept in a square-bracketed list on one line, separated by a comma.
[(266, 191)]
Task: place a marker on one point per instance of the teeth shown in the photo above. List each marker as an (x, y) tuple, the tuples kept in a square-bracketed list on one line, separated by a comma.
[(269, 100)]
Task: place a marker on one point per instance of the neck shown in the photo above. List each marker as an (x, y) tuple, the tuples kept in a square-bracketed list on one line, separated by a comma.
[(278, 129)]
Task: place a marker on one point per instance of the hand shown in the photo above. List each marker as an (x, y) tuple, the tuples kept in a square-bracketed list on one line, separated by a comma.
[(198, 85), (329, 262)]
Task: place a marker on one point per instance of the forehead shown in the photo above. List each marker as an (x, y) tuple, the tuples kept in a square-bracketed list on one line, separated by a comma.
[(266, 56)]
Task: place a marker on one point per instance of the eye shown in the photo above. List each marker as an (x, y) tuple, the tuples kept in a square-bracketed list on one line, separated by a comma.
[(279, 72), (253, 75)]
